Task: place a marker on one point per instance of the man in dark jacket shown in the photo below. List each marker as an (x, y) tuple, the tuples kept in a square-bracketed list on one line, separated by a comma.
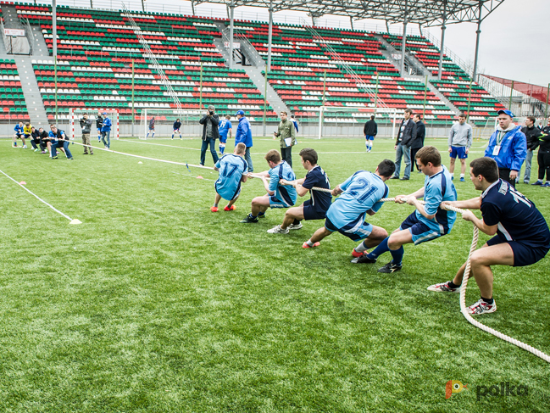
[(543, 157), (99, 125), (405, 137), (418, 142), (86, 125), (210, 133), (370, 130), (532, 134)]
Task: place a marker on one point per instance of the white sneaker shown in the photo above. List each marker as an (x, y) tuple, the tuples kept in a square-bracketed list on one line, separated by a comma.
[(443, 288), (481, 307), (277, 230), (292, 226), (24, 146)]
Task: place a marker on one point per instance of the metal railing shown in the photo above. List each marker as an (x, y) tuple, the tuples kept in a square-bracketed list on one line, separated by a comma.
[(30, 36), (245, 46), (4, 38)]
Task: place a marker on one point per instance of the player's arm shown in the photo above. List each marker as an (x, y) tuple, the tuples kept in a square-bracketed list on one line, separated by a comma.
[(474, 203), (267, 185), (419, 207), (244, 178), (300, 190), (337, 191), (401, 199), (483, 227)]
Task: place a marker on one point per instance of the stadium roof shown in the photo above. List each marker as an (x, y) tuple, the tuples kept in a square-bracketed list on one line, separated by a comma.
[(424, 12)]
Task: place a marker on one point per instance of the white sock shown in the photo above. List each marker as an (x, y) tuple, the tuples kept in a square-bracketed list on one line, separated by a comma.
[(361, 247), (462, 175), (308, 242)]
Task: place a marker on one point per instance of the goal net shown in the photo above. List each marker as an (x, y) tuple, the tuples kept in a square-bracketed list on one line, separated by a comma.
[(347, 121), (76, 114), (163, 120)]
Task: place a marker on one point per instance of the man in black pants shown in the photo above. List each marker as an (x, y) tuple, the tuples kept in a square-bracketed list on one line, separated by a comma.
[(370, 130), (543, 157), (405, 136), (286, 133), (418, 142)]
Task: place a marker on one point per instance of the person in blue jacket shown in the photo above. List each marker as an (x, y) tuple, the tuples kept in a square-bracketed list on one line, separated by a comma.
[(106, 131), (508, 147), (19, 134), (244, 135)]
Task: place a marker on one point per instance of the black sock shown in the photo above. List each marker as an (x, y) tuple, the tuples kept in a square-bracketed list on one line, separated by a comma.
[(452, 285), (488, 300), (296, 222)]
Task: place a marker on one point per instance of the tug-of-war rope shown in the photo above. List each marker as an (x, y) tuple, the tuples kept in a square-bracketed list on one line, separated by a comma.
[(467, 270)]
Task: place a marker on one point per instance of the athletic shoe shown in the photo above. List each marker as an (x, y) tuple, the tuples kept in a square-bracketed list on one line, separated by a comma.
[(261, 215), (44, 152), (404, 179), (24, 146), (462, 179), (481, 307), (14, 146), (70, 159), (85, 153), (526, 182), (546, 185), (230, 208), (36, 150), (363, 260), (538, 183), (292, 226), (214, 209), (277, 230), (390, 268), (358, 254), (249, 220), (55, 157), (394, 177), (315, 245), (443, 288)]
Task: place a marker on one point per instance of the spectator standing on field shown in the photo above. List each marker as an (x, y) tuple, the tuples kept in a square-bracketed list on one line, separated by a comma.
[(370, 131), (99, 125), (86, 125), (287, 137), (244, 135), (405, 136), (210, 133), (106, 131), (507, 146), (151, 128), (418, 142), (460, 141), (295, 122), (543, 157), (532, 134)]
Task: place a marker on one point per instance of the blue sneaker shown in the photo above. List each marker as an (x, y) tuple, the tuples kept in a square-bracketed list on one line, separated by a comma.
[(546, 185), (462, 179), (538, 183)]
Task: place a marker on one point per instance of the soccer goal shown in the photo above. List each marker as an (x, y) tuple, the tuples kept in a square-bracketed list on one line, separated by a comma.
[(76, 114), (164, 119), (335, 121)]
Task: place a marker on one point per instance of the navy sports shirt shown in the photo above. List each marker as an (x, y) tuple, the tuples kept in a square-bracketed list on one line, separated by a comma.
[(517, 217), (320, 201)]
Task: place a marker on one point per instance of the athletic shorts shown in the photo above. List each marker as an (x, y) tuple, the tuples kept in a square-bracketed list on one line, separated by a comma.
[(356, 231), (176, 131), (523, 254), (458, 152), (223, 139), (369, 137), (228, 196), (274, 202), (18, 135), (419, 230), (310, 213)]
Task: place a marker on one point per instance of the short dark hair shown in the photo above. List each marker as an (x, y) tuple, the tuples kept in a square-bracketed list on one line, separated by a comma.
[(418, 115), (408, 111), (486, 167), (273, 155), (386, 168), (462, 115), (532, 119), (371, 117), (429, 154), (310, 155)]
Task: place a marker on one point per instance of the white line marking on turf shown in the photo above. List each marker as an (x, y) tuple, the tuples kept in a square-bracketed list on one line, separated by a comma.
[(72, 221)]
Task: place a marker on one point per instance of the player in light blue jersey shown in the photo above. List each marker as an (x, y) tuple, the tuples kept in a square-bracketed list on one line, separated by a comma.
[(429, 221), (278, 195), (224, 128), (360, 194), (228, 186)]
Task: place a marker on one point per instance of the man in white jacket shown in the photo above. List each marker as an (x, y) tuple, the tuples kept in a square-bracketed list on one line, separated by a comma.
[(460, 140)]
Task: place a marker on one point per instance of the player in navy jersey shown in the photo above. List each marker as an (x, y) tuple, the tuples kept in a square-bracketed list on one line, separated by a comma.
[(228, 186), (278, 194), (360, 194), (429, 221), (314, 208), (521, 232)]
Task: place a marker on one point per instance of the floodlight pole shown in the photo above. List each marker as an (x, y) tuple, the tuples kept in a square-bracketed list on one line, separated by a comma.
[(133, 107), (142, 5), (511, 92), (376, 95), (547, 99), (231, 24), (193, 7), (54, 27), (351, 22), (478, 33), (200, 92), (265, 104), (404, 40), (321, 115), (269, 38), (469, 101), (441, 51), (55, 80), (425, 97)]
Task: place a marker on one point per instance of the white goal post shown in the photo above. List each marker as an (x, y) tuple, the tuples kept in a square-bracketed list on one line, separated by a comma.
[(76, 114), (164, 122), (359, 114)]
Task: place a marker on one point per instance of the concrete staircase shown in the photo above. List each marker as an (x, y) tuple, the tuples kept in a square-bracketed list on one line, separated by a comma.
[(255, 74), (31, 91), (21, 44)]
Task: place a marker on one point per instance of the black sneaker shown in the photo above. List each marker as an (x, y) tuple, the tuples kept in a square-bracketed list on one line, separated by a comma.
[(394, 177), (249, 220), (261, 215), (363, 260), (404, 179), (390, 268)]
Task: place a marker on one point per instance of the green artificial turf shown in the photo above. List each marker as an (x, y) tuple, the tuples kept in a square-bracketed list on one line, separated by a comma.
[(155, 304)]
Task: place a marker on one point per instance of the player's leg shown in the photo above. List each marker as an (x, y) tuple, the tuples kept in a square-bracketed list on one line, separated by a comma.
[(216, 202), (67, 150), (153, 133), (259, 205), (24, 142), (173, 133), (374, 239), (212, 143), (180, 134), (291, 215), (462, 169), (398, 156), (452, 155)]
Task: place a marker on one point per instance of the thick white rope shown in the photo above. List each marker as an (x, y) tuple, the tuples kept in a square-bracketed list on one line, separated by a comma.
[(473, 247), (72, 221)]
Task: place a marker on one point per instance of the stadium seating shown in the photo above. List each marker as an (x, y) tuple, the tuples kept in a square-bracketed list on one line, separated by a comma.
[(96, 72), (12, 100), (454, 83), (299, 64)]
